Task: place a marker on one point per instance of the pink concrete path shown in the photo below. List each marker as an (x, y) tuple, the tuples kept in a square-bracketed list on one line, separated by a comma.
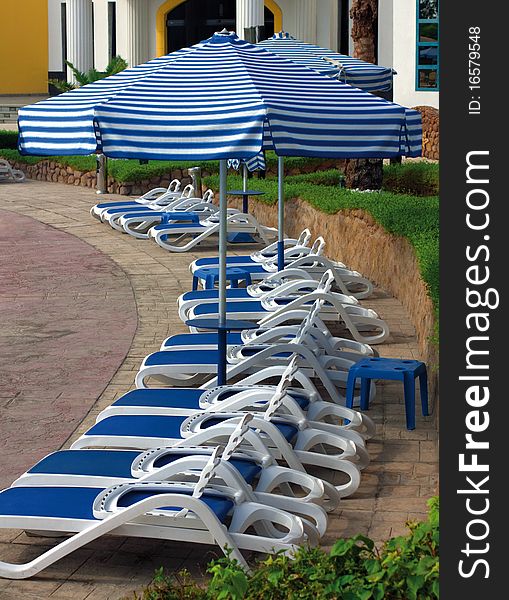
[(67, 320)]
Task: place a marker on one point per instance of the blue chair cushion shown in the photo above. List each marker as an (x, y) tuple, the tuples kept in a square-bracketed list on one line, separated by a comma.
[(116, 463), (154, 426), (166, 398), (205, 339), (214, 294), (182, 357), (214, 260), (77, 502), (146, 213), (220, 506), (168, 226), (56, 502), (127, 209), (103, 463), (212, 308), (247, 468)]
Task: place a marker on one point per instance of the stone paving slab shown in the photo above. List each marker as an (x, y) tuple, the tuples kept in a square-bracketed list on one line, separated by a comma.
[(394, 488)]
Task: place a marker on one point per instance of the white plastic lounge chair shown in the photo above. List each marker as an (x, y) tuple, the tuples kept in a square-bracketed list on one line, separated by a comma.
[(196, 366), (179, 203), (298, 247), (197, 512), (7, 173), (302, 404), (180, 237), (363, 324), (305, 260), (297, 443), (138, 224), (325, 346), (271, 296), (254, 473), (156, 196)]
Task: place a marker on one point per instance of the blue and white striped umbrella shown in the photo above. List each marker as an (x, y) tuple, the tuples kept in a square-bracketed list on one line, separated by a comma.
[(223, 98), (353, 71), (64, 124)]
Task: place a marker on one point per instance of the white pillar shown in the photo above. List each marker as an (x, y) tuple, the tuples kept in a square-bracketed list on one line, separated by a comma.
[(101, 35), (305, 20), (132, 31), (80, 45), (250, 13)]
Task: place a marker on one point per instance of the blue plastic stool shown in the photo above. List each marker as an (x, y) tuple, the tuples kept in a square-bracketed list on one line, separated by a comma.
[(210, 275), (391, 369)]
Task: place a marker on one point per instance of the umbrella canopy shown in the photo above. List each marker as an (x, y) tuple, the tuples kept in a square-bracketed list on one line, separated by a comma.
[(64, 124), (223, 98), (353, 71)]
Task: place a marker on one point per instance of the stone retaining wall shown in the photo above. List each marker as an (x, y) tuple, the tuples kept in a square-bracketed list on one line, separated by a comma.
[(48, 170), (355, 238), (430, 132)]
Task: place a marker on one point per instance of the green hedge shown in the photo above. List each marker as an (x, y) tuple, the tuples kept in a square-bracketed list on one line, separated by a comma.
[(8, 139), (405, 568), (415, 178), (418, 178), (413, 217)]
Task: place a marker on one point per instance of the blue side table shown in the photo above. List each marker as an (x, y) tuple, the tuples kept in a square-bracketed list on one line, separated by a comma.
[(210, 275), (241, 237), (390, 369)]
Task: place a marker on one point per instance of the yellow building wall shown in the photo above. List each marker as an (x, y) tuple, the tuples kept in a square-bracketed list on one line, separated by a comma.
[(23, 46)]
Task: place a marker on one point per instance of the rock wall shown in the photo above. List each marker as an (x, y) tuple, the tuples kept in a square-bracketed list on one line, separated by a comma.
[(430, 131), (47, 170)]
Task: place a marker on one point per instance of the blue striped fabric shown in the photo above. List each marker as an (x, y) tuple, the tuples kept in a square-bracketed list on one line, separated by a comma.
[(64, 124), (221, 99), (349, 70)]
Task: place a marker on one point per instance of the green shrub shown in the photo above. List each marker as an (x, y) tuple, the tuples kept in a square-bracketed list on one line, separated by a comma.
[(8, 139), (418, 178), (405, 567)]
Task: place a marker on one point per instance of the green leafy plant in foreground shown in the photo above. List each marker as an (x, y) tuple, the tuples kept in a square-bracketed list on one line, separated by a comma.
[(404, 568)]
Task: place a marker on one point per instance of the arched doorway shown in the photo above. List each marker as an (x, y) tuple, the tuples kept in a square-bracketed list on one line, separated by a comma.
[(196, 20), (183, 23)]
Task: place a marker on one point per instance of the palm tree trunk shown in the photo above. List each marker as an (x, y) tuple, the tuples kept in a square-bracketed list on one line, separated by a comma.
[(364, 173)]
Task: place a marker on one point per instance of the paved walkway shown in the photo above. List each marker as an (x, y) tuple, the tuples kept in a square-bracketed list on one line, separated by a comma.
[(67, 317), (402, 475)]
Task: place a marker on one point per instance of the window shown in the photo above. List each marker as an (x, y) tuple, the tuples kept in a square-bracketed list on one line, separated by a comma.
[(112, 30), (63, 33), (427, 55)]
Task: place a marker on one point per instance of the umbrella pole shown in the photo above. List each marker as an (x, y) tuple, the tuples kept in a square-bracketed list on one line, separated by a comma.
[(245, 207), (221, 367), (280, 213)]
